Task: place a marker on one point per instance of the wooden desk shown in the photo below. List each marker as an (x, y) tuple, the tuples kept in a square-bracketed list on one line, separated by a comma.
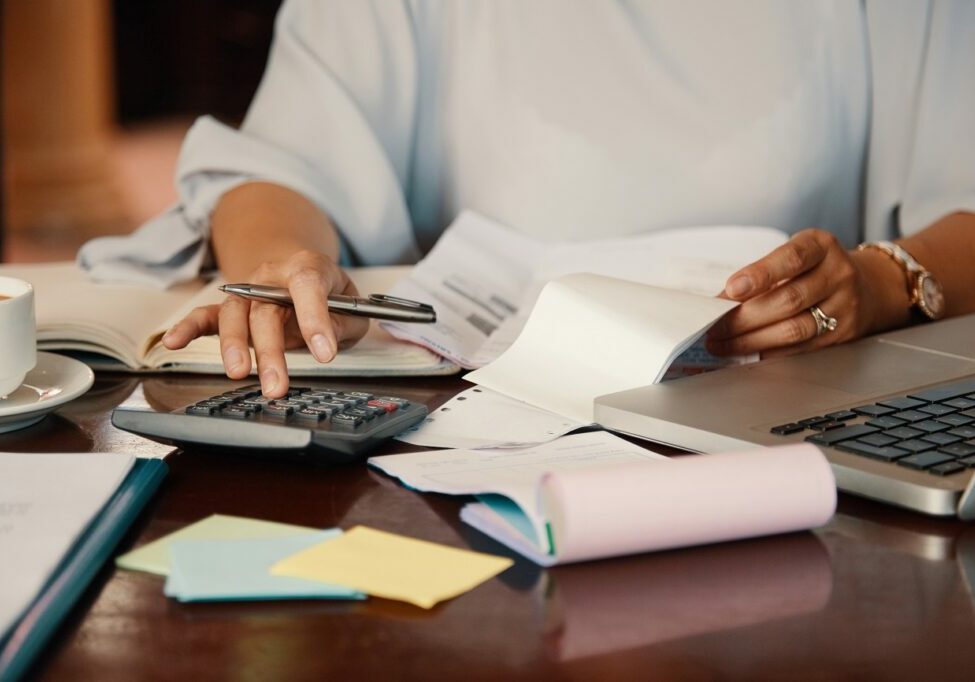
[(877, 594)]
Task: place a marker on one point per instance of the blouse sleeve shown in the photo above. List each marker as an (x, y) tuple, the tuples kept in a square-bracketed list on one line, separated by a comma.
[(333, 119), (920, 164)]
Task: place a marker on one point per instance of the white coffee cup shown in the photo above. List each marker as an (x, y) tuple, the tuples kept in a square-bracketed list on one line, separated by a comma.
[(18, 333)]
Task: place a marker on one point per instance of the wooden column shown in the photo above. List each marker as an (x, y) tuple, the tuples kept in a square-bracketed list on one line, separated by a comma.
[(57, 118)]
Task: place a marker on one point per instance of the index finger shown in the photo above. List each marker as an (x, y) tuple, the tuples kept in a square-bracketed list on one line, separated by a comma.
[(800, 254)]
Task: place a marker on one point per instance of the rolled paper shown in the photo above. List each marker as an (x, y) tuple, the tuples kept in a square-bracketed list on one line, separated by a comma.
[(692, 500)]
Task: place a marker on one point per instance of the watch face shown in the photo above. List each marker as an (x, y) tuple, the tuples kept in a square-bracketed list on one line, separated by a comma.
[(931, 298)]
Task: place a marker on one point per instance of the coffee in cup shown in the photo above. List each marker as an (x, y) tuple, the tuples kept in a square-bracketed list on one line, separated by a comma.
[(18, 336)]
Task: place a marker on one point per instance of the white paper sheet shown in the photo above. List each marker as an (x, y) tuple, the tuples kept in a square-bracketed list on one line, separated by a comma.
[(513, 473), (46, 501), (484, 278), (590, 335), (482, 418)]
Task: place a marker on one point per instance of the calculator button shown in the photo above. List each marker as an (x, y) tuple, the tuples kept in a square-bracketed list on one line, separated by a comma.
[(237, 412), (941, 438), (812, 421), (955, 419), (201, 410), (958, 449), (402, 402), (903, 432), (961, 403), (877, 439), (930, 426), (276, 410), (364, 397), (911, 416), (347, 421), (966, 432), (842, 415), (311, 414), (366, 415), (384, 404)]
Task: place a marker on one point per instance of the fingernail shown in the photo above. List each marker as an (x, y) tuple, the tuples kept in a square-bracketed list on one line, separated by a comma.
[(739, 286), (269, 380), (168, 336), (322, 348), (234, 358)]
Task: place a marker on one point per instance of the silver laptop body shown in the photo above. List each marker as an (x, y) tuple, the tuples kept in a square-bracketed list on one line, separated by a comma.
[(736, 408)]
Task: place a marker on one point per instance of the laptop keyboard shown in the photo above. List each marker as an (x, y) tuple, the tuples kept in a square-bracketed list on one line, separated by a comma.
[(931, 430)]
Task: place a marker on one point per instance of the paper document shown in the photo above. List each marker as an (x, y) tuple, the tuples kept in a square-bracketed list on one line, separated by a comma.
[(594, 495), (513, 474), (220, 570), (154, 556), (589, 335), (484, 278), (393, 566), (46, 502), (482, 418)]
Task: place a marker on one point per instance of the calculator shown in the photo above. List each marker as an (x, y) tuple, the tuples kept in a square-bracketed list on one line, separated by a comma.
[(321, 425)]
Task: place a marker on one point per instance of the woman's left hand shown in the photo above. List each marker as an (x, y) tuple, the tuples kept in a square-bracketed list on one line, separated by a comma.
[(779, 291)]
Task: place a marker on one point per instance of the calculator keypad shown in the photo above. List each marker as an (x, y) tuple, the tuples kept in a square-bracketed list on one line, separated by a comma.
[(319, 408)]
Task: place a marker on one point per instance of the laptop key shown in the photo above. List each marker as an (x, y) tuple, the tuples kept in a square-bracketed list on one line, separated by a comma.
[(946, 469), (916, 445), (877, 439), (925, 460), (937, 409), (902, 432), (786, 429), (827, 426), (838, 435), (858, 447), (874, 410), (966, 432), (902, 403), (933, 395), (842, 415), (941, 438), (930, 426), (955, 419), (912, 416), (958, 450), (887, 422)]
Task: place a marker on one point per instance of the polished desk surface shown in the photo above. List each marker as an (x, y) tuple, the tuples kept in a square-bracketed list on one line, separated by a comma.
[(878, 593)]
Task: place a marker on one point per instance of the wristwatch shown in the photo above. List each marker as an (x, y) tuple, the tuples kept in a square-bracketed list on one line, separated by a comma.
[(923, 288)]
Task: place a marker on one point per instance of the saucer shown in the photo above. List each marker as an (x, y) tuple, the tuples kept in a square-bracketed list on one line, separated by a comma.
[(55, 380)]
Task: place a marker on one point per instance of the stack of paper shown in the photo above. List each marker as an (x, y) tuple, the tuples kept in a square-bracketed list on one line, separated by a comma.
[(231, 558)]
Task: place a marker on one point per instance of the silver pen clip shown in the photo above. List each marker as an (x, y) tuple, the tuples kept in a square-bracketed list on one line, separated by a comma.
[(383, 299)]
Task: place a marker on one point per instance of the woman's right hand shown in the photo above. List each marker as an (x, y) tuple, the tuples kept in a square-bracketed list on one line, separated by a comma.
[(271, 329)]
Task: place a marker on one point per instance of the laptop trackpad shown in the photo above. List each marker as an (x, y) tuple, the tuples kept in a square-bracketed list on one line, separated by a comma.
[(869, 368)]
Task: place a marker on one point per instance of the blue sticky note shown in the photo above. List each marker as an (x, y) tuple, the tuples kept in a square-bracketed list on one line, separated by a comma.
[(223, 570)]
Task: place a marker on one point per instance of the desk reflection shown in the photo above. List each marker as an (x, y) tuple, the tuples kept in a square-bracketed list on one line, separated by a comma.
[(620, 604)]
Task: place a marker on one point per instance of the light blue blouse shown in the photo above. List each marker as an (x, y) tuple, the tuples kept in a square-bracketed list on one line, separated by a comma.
[(572, 120)]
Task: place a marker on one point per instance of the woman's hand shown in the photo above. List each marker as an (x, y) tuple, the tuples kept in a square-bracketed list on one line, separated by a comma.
[(309, 277), (860, 290)]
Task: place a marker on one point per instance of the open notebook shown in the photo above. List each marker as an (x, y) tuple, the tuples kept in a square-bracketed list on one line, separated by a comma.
[(119, 326)]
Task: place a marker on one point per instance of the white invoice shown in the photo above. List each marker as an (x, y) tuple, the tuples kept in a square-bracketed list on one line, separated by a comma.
[(46, 502)]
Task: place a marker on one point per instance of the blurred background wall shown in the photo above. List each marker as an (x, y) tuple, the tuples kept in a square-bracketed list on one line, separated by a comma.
[(97, 95)]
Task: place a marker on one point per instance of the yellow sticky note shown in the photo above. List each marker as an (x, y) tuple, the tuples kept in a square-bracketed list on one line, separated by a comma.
[(393, 566), (154, 557)]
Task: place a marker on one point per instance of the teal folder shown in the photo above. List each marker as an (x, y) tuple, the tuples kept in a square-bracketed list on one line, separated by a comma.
[(93, 549)]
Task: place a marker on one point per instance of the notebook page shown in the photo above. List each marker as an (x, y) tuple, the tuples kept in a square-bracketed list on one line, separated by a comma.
[(590, 335)]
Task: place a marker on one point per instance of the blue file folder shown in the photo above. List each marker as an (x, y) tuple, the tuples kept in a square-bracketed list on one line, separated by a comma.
[(93, 549)]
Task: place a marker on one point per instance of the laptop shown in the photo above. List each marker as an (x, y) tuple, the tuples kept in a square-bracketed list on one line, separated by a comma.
[(894, 413)]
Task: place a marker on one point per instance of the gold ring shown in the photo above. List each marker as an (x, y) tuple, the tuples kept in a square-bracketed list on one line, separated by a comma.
[(824, 323)]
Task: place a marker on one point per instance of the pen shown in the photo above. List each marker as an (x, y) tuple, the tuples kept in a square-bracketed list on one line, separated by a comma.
[(378, 306)]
